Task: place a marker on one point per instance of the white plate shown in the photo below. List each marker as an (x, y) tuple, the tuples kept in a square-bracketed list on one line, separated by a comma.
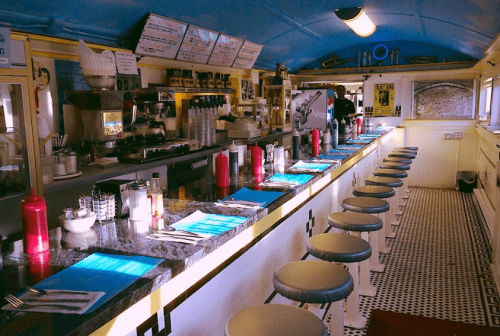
[(67, 176)]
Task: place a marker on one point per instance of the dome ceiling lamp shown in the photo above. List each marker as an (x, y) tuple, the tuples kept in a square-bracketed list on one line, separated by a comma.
[(357, 20)]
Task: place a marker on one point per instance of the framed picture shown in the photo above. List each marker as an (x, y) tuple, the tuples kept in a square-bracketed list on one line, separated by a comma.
[(444, 99), (248, 90)]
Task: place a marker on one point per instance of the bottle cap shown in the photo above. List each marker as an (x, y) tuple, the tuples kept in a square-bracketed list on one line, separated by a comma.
[(233, 147), (32, 197)]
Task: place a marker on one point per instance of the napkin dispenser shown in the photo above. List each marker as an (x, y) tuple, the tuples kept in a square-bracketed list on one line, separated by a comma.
[(119, 189)]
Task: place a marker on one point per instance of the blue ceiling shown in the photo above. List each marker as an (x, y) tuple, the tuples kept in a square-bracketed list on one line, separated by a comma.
[(300, 33)]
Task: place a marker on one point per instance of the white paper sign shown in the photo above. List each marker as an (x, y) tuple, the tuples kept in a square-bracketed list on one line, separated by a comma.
[(248, 55), (197, 45), (255, 77), (126, 63), (225, 50), (5, 60), (161, 37)]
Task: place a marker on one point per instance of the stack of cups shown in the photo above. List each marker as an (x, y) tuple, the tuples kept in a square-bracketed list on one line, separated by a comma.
[(279, 159)]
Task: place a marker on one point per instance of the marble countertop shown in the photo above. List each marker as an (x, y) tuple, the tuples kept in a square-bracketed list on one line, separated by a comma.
[(124, 237)]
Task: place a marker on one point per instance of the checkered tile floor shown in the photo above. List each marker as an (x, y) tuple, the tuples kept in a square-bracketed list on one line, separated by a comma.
[(439, 264)]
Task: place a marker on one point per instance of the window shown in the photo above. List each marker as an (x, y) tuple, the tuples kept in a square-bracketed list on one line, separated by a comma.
[(485, 99)]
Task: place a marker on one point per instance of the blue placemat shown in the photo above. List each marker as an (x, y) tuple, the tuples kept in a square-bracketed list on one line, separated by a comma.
[(295, 178), (350, 141), (310, 166), (343, 152), (371, 136), (350, 146), (332, 157), (245, 194), (101, 272), (208, 224)]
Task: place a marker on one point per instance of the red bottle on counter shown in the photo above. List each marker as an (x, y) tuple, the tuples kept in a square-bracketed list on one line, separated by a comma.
[(315, 142), (358, 123), (34, 217), (256, 159), (221, 170)]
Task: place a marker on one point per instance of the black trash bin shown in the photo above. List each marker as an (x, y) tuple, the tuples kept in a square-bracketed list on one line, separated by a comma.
[(467, 180)]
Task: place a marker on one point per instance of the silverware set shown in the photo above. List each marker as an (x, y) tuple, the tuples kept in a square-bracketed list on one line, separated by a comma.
[(178, 236), (240, 203), (21, 305)]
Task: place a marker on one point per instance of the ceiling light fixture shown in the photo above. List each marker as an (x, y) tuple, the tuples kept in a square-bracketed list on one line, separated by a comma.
[(357, 20)]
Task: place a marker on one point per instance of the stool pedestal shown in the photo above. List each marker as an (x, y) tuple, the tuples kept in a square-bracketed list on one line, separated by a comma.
[(394, 183)]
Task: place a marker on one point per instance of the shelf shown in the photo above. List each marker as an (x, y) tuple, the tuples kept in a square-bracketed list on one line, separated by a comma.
[(178, 89)]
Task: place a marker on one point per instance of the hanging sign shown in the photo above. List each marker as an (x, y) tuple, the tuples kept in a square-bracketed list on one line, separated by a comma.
[(197, 45), (247, 55), (5, 61), (161, 37), (225, 50), (383, 100)]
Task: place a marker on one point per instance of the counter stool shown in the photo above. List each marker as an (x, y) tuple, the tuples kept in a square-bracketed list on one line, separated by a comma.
[(398, 166), (275, 319), (407, 147), (343, 248), (365, 225), (405, 155), (394, 183), (397, 159), (400, 174), (316, 281), (385, 193), (369, 205)]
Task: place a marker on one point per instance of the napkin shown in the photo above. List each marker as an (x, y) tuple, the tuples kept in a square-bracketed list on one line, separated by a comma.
[(56, 297), (296, 179), (259, 196), (100, 272), (309, 166), (208, 224)]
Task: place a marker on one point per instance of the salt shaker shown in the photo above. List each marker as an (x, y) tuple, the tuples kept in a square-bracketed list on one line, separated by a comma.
[(70, 162)]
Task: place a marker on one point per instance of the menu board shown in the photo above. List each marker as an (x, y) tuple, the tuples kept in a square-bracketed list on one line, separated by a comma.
[(248, 55), (161, 37), (197, 45), (225, 50)]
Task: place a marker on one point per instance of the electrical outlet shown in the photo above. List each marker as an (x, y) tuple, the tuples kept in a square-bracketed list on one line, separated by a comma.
[(457, 135), (448, 136)]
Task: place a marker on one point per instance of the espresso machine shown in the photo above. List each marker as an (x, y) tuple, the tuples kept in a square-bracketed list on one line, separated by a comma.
[(101, 118)]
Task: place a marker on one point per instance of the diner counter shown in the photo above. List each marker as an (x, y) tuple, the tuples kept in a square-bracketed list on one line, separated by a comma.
[(185, 269)]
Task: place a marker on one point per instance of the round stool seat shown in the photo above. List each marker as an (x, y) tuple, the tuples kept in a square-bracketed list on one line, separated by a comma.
[(365, 204), (397, 159), (374, 191), (407, 147), (394, 165), (384, 181), (408, 151), (351, 221), (275, 319), (402, 155), (338, 247), (390, 173), (313, 281)]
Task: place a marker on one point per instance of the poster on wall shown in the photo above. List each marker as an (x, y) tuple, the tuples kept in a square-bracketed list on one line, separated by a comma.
[(443, 99), (383, 100), (161, 37), (197, 45)]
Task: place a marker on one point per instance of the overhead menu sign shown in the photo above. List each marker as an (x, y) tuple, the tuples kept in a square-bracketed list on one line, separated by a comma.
[(161, 37), (247, 55), (197, 45), (225, 50)]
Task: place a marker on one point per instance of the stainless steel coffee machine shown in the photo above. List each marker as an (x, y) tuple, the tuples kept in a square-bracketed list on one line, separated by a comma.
[(101, 116)]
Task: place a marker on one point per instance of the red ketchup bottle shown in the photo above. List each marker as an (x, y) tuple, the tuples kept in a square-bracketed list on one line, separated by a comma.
[(358, 123), (256, 159), (221, 170), (34, 217), (315, 142)]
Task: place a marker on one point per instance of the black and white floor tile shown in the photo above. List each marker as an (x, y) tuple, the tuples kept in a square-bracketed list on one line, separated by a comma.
[(439, 266)]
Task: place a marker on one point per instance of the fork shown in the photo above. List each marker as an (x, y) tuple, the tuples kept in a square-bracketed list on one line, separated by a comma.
[(19, 304)]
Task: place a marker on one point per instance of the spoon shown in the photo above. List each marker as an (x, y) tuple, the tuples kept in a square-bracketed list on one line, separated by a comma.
[(42, 292)]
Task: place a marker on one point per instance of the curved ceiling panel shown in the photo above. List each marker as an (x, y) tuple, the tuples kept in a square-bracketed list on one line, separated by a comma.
[(300, 31)]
